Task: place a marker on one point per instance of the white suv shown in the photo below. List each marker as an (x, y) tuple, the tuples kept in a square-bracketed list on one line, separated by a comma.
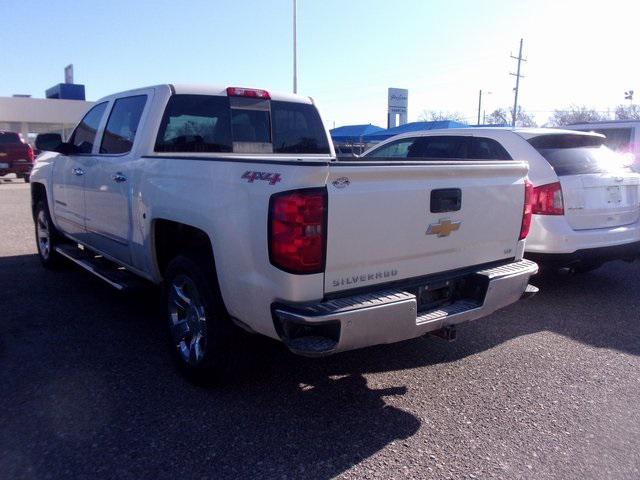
[(586, 206)]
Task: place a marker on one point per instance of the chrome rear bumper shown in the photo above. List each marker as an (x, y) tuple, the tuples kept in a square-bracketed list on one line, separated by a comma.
[(390, 316)]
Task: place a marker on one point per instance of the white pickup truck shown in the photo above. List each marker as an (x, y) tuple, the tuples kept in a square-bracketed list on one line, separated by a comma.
[(231, 199)]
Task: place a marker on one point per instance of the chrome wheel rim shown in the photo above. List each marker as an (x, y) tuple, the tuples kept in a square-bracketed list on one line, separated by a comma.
[(187, 320), (44, 235)]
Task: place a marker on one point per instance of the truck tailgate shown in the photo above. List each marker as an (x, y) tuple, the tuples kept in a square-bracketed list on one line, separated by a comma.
[(390, 222)]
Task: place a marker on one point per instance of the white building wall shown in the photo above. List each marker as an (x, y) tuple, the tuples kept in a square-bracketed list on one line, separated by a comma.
[(30, 116)]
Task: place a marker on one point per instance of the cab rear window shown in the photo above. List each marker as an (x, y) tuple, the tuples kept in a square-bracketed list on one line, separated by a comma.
[(297, 128), (195, 123), (8, 138), (206, 123)]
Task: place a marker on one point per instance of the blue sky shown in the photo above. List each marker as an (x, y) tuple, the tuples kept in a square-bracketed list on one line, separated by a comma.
[(349, 51)]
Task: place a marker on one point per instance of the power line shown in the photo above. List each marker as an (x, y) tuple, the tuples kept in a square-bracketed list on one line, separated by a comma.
[(518, 77)]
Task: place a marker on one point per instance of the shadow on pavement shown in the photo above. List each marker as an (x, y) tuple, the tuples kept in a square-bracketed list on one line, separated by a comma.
[(89, 387)]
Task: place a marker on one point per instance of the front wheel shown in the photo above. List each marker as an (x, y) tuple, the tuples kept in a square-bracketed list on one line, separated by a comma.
[(47, 237), (199, 329)]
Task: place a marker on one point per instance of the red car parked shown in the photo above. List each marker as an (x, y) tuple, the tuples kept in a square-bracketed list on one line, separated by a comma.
[(15, 155)]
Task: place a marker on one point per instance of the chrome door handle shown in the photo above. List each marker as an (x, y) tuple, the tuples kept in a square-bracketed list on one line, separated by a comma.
[(118, 177), (78, 172)]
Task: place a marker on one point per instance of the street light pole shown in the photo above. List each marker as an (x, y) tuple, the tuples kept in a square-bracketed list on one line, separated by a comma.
[(295, 50), (479, 105)]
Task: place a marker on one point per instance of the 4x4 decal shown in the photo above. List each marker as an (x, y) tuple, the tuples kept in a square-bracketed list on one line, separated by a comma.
[(270, 177)]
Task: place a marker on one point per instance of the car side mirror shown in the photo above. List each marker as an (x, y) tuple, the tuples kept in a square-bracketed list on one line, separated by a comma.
[(52, 142)]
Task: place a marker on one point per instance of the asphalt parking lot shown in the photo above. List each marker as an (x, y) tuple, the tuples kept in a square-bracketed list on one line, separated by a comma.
[(547, 388)]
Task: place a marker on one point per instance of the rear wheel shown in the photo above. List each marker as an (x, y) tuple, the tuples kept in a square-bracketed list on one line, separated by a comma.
[(26, 177), (47, 237), (199, 329)]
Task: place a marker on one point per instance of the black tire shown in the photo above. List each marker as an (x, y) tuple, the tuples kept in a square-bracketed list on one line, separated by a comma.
[(199, 330), (47, 237), (586, 267), (26, 177)]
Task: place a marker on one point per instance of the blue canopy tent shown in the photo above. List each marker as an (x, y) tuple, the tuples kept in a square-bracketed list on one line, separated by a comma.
[(411, 127), (353, 133)]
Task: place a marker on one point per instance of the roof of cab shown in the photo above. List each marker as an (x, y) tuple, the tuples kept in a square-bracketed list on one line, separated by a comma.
[(191, 89), (194, 89)]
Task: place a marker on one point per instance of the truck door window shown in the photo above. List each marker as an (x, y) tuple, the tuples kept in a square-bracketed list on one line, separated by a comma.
[(84, 136), (195, 123), (122, 125)]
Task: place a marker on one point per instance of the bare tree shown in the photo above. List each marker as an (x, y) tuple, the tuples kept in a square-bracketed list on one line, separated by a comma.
[(628, 112), (501, 116), (434, 116), (575, 114), (498, 117), (525, 119)]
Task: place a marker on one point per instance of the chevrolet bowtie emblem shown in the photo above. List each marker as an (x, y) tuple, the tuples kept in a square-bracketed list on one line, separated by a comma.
[(443, 228)]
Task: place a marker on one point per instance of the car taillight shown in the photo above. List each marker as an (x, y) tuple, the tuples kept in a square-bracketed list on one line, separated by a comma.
[(30, 155), (297, 230), (248, 92), (527, 210), (547, 199)]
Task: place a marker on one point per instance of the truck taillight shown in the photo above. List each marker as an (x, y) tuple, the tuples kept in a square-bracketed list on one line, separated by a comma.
[(297, 230), (527, 210), (30, 155), (547, 199), (248, 92)]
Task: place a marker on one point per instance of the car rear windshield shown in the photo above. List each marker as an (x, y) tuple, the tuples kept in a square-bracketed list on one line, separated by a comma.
[(578, 154), (206, 123), (7, 138)]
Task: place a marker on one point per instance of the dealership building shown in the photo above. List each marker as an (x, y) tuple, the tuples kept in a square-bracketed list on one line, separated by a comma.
[(58, 113)]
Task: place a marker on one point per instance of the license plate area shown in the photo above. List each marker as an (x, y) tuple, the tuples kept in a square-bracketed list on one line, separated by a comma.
[(438, 294), (4, 165), (614, 195)]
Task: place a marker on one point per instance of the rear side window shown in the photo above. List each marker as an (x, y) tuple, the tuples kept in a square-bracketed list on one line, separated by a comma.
[(297, 128), (195, 123), (437, 147), (443, 147), (84, 135), (578, 154), (486, 149), (122, 125), (8, 138), (397, 149)]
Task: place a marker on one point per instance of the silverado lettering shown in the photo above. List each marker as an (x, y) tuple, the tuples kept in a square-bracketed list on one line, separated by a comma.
[(367, 277)]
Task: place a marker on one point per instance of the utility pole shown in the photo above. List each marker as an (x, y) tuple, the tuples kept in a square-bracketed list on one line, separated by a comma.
[(479, 105), (518, 77), (295, 50)]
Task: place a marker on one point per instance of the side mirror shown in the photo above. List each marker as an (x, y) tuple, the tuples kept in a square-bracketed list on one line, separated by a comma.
[(49, 141), (52, 142)]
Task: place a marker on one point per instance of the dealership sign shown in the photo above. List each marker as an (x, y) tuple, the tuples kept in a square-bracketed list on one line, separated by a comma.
[(398, 100)]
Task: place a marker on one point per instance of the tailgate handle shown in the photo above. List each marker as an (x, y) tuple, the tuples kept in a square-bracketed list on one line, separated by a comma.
[(446, 200)]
